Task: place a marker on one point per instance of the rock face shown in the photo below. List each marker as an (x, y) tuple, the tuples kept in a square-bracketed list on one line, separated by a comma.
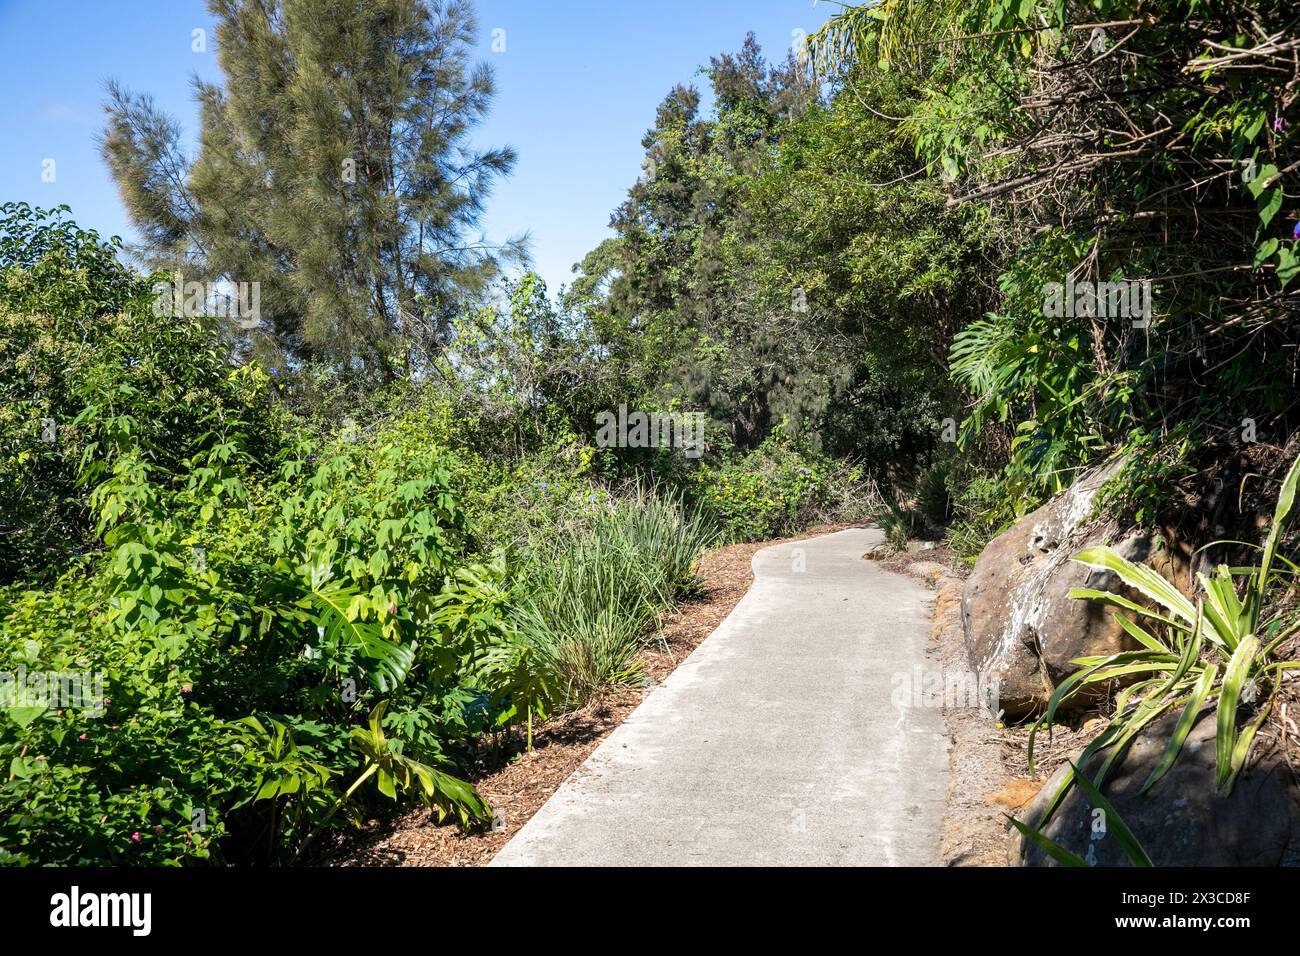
[(1183, 820), (1022, 628)]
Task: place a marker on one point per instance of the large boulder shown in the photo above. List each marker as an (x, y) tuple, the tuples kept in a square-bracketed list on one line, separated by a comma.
[(1184, 819), (1021, 626)]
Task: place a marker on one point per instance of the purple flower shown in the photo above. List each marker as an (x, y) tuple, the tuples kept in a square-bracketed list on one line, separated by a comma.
[(1295, 233), (275, 371), (135, 837), (1280, 123)]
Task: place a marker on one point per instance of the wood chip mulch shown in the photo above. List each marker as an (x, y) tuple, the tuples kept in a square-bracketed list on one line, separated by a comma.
[(518, 786)]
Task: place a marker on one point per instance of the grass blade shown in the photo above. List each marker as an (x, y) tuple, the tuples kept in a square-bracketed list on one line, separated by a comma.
[(1285, 502)]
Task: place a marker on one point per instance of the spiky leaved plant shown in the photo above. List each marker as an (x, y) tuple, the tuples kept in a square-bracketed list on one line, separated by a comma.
[(1192, 656)]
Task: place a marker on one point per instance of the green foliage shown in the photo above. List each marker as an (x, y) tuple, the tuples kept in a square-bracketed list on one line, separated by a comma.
[(779, 488), (927, 503), (1065, 195), (1143, 489), (899, 522), (1039, 375), (782, 264), (982, 509), (87, 371), (238, 592), (294, 582), (394, 771), (357, 209), (1222, 651), (590, 596), (1127, 841), (332, 589)]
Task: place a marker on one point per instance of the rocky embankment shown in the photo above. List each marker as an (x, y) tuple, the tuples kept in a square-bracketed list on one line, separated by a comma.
[(1021, 630)]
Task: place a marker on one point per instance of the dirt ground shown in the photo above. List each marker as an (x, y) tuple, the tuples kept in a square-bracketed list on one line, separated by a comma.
[(987, 760), (517, 789)]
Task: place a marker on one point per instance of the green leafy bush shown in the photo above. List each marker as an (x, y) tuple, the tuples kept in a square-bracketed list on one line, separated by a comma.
[(900, 522), (981, 510), (264, 619), (87, 371), (778, 489)]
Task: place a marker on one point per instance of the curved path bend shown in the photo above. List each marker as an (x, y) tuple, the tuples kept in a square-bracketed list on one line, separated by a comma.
[(779, 741)]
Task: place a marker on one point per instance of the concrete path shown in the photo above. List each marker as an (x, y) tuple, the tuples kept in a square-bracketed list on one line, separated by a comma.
[(780, 740)]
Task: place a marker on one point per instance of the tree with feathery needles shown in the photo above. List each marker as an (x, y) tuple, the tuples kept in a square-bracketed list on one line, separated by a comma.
[(333, 168)]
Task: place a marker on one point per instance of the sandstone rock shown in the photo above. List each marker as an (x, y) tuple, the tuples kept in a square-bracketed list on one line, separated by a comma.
[(1183, 820), (1020, 622)]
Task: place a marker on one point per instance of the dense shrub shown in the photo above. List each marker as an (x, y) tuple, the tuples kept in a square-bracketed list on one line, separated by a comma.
[(265, 619), (88, 372), (779, 488)]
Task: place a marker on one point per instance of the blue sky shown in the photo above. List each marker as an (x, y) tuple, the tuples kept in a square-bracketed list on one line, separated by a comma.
[(578, 83)]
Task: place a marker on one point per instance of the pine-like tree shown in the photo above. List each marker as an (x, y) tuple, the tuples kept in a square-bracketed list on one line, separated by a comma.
[(333, 168)]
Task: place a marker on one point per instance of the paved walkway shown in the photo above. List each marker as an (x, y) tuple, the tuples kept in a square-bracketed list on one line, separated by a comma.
[(776, 741)]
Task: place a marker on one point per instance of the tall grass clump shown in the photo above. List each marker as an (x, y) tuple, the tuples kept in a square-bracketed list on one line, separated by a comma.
[(591, 595)]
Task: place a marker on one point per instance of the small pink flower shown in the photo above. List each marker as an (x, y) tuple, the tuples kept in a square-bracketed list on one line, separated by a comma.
[(103, 819), (84, 737), (135, 837), (186, 688)]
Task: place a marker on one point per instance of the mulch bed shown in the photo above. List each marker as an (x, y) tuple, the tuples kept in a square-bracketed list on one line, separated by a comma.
[(518, 786)]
